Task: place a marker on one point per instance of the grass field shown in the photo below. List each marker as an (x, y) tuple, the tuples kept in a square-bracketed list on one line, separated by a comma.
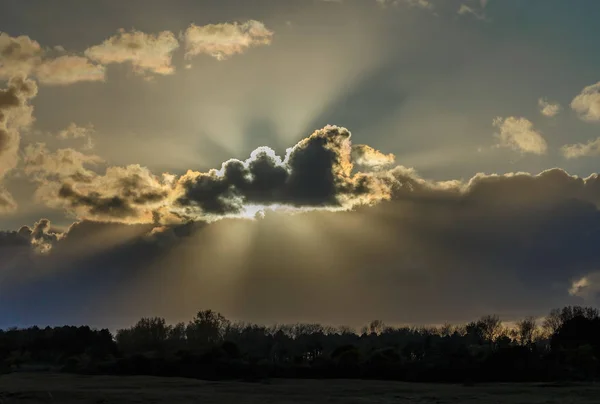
[(60, 388)]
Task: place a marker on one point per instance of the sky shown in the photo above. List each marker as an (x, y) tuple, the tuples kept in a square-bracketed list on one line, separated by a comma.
[(332, 161)]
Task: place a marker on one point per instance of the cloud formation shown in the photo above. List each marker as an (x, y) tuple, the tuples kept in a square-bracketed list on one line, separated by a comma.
[(147, 53), (365, 155), (222, 41), (15, 114), (128, 194), (548, 108), (23, 56), (524, 239), (315, 173), (18, 55), (66, 70), (518, 134), (576, 150), (587, 103)]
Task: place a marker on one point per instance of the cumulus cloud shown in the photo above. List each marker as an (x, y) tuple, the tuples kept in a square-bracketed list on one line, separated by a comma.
[(315, 173), (45, 166), (130, 194), (518, 134), (23, 56), (365, 155), (66, 70), (222, 41), (549, 108), (147, 53), (576, 150), (587, 103), (15, 114), (39, 239), (66, 180), (18, 55)]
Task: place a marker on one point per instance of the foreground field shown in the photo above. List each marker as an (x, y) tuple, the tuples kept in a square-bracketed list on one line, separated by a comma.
[(60, 388)]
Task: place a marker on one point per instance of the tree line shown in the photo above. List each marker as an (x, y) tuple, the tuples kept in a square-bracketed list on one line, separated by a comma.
[(564, 346)]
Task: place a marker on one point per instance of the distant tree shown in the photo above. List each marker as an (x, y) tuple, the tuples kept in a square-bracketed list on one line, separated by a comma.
[(148, 334), (526, 331), (374, 327), (552, 322), (491, 327), (207, 328)]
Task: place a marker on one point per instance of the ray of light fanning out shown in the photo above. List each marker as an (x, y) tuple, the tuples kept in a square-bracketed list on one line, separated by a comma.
[(417, 161)]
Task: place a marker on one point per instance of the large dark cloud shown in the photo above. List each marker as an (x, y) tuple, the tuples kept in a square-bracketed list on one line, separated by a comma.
[(316, 172), (509, 244)]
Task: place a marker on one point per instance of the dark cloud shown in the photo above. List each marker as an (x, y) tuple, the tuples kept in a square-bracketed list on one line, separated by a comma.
[(514, 244), (316, 172)]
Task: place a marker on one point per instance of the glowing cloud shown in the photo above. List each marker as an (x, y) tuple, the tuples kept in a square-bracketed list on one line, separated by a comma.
[(66, 70), (147, 53), (15, 114), (365, 155), (576, 150), (518, 134), (222, 41), (18, 55), (587, 103)]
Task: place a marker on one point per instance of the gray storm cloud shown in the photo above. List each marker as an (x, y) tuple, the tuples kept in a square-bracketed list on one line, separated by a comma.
[(523, 239)]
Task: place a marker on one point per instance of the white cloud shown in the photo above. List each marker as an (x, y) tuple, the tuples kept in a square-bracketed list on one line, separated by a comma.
[(549, 108), (519, 134), (591, 148), (587, 103), (147, 53), (222, 41)]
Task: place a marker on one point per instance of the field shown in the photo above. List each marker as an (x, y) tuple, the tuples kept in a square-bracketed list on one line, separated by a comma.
[(60, 388)]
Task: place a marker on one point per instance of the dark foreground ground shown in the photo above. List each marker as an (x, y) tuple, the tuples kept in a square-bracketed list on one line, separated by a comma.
[(61, 388)]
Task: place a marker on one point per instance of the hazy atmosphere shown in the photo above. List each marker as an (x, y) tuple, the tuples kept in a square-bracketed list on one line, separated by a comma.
[(332, 161)]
